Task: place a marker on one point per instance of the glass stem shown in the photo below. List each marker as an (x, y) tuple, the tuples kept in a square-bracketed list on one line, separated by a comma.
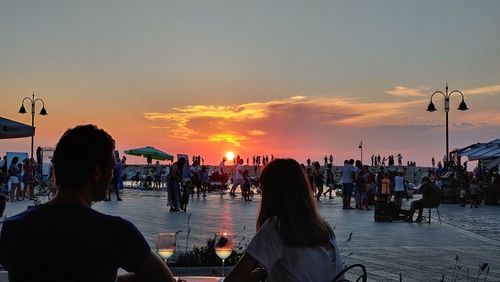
[(222, 267)]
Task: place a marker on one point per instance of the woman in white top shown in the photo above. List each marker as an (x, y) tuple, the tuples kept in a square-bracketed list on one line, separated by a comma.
[(293, 242)]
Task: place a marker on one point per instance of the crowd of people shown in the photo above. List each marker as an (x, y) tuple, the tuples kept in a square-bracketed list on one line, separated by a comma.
[(86, 245), (19, 172)]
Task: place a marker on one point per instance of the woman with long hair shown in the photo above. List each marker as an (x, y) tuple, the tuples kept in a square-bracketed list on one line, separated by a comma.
[(29, 167), (14, 178), (293, 242)]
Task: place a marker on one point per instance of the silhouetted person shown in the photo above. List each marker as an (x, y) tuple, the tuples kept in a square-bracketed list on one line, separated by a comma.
[(83, 244)]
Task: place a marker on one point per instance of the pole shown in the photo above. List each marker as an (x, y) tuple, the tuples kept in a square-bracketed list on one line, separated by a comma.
[(361, 147), (447, 109), (32, 122), (447, 144), (461, 107)]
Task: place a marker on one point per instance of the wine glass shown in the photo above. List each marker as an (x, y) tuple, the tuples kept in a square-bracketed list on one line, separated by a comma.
[(223, 247), (165, 245)]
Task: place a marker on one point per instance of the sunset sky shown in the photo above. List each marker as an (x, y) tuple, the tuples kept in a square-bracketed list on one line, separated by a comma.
[(295, 79)]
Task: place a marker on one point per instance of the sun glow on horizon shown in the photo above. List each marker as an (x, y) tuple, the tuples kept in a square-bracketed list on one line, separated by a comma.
[(229, 156)]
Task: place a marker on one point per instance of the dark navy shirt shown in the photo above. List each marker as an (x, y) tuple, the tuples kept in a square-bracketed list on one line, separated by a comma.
[(69, 243)]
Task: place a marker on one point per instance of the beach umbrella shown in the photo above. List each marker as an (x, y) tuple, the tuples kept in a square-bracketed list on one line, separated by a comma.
[(149, 151), (13, 129)]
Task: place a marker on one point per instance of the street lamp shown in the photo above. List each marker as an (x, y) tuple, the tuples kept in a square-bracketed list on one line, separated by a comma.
[(43, 112), (461, 107)]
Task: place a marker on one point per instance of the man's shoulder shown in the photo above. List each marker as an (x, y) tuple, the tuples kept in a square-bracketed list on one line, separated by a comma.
[(54, 212)]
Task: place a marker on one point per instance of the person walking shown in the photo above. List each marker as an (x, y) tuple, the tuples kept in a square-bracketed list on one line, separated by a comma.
[(238, 178), (83, 244), (329, 181), (318, 180), (281, 246)]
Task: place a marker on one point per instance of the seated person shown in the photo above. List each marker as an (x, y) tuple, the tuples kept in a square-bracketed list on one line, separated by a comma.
[(83, 244), (293, 242), (431, 197)]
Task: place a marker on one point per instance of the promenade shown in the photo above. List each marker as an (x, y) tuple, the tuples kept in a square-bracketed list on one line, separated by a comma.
[(419, 252)]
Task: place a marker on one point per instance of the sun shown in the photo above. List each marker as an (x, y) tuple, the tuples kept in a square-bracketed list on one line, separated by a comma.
[(229, 156)]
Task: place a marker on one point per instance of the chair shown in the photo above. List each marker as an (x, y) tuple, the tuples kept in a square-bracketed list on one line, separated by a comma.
[(340, 276), (428, 219)]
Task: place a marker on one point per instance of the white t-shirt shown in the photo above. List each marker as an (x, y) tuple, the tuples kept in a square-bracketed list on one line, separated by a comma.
[(285, 263), (347, 172), (238, 172), (399, 183)]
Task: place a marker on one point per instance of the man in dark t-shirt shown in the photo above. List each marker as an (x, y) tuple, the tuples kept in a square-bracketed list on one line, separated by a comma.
[(66, 240), (431, 197)]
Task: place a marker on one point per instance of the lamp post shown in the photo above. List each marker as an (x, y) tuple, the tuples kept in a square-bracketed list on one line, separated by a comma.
[(461, 107), (43, 112), (361, 149)]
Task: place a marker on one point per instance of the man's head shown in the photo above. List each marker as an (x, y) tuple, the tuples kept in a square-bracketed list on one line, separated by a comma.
[(84, 155)]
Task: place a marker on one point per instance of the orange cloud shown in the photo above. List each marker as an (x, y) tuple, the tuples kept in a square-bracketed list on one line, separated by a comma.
[(256, 132), (485, 90), (230, 138), (403, 91), (240, 124)]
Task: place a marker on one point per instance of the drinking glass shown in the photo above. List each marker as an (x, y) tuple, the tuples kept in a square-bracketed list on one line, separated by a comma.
[(223, 247), (165, 245)]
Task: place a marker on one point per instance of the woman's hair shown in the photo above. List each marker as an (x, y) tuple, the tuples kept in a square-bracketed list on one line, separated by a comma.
[(286, 194)]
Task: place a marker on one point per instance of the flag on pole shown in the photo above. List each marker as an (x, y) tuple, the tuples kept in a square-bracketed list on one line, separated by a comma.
[(360, 144)]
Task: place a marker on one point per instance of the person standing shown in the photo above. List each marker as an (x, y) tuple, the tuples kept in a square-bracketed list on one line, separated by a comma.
[(222, 165), (115, 182), (245, 187), (204, 180), (14, 178), (399, 188), (29, 168), (474, 194), (362, 188), (3, 165), (348, 176), (174, 184), (84, 244)]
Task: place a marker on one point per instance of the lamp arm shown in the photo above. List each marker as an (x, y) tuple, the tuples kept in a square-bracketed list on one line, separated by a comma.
[(444, 95), (38, 99), (31, 100), (456, 91)]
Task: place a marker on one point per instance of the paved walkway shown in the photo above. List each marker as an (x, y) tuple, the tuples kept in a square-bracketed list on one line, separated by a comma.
[(419, 252)]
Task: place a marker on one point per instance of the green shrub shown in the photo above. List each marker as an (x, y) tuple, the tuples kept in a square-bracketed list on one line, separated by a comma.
[(205, 256)]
